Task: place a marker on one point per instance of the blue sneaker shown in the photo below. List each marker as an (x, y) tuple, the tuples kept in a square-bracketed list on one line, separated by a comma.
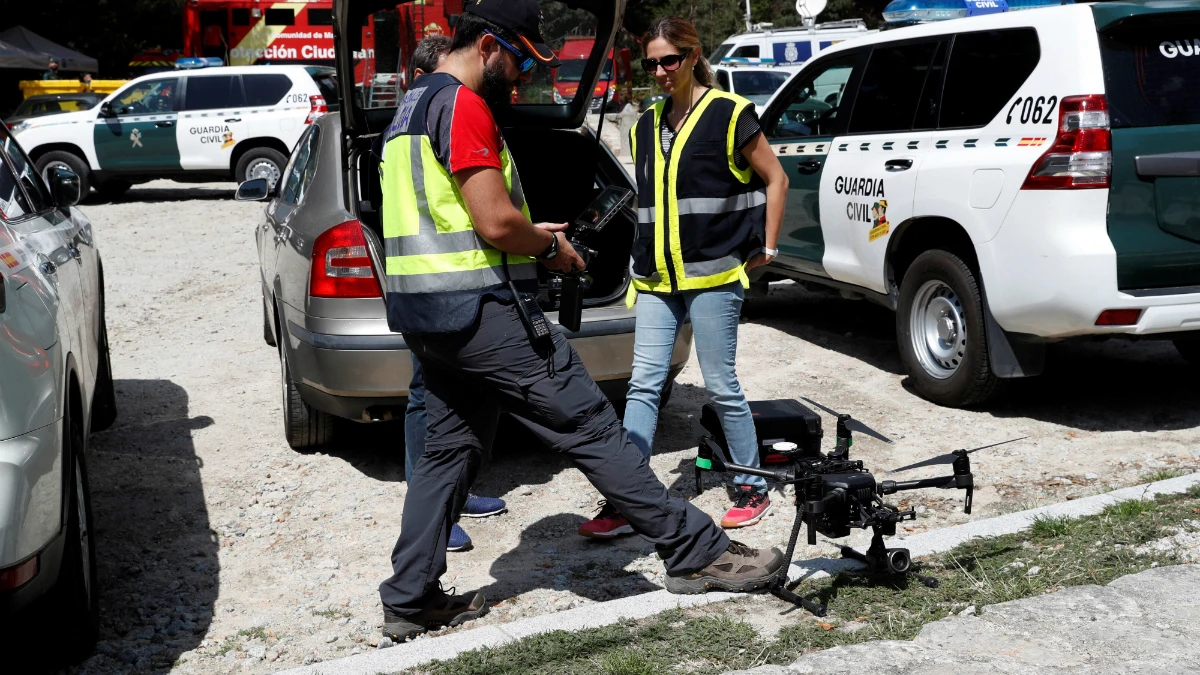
[(482, 507), (459, 541)]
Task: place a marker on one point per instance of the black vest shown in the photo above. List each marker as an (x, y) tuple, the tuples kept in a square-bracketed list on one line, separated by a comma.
[(699, 216)]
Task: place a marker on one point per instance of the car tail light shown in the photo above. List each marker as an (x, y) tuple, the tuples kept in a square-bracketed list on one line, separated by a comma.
[(1080, 156), (1119, 317), (341, 265), (15, 577), (317, 108)]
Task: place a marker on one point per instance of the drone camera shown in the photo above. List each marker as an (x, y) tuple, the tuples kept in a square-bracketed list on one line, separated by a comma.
[(898, 560)]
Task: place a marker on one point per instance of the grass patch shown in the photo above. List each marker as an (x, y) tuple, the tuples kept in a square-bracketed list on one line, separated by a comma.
[(252, 633), (1090, 550), (333, 613), (1045, 527), (1163, 474), (1131, 508)]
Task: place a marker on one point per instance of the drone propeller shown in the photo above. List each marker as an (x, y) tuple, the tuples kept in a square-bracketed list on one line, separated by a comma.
[(852, 424), (949, 457)]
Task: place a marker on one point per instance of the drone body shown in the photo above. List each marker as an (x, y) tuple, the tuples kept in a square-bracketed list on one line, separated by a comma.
[(834, 493)]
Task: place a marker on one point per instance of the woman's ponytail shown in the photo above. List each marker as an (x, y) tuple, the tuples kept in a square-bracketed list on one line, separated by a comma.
[(703, 72)]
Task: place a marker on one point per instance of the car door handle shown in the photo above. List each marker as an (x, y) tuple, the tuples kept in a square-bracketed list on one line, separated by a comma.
[(897, 165), (49, 267), (233, 119), (809, 166), (165, 123)]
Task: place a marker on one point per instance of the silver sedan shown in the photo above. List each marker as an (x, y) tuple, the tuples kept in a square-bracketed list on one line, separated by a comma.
[(337, 357)]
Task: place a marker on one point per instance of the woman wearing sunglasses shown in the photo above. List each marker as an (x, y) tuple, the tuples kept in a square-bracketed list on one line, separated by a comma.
[(710, 202)]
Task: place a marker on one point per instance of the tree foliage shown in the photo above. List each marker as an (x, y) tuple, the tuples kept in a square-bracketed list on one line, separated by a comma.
[(109, 30)]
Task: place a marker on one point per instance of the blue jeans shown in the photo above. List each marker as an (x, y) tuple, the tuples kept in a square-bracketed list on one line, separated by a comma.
[(414, 420), (714, 313)]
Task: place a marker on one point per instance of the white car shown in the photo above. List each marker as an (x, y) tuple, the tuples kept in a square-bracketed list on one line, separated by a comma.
[(789, 46), (757, 82), (225, 123), (1001, 182)]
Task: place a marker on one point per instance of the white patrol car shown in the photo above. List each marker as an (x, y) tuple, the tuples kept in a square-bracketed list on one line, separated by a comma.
[(215, 123), (753, 79), (789, 46), (1002, 182)]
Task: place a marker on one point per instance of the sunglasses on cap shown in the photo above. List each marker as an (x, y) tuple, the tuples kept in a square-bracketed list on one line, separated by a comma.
[(669, 63), (525, 63)]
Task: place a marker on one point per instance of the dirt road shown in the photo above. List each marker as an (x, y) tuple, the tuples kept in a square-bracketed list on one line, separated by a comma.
[(222, 549)]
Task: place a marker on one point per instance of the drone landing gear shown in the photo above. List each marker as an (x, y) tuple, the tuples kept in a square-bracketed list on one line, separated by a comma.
[(885, 563)]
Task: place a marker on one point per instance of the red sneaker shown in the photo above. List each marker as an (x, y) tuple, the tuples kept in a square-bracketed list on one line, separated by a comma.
[(750, 508), (607, 524)]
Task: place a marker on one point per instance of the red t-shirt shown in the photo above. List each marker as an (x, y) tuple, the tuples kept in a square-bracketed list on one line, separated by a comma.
[(462, 130)]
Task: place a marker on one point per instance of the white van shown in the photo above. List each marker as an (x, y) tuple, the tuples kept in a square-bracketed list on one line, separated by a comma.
[(221, 123), (789, 46)]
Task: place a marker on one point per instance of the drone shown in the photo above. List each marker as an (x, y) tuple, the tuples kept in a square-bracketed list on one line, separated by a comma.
[(833, 492)]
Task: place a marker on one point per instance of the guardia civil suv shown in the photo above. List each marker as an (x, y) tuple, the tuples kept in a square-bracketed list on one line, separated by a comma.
[(214, 123), (1002, 181)]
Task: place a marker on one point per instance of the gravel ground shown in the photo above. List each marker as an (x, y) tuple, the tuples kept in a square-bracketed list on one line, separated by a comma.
[(223, 550)]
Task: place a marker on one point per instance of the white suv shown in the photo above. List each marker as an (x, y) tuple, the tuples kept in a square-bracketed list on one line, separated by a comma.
[(221, 123), (1002, 182)]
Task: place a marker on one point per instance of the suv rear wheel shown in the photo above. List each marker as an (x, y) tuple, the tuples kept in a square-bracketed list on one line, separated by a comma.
[(940, 331), (66, 160), (261, 163), (303, 425)]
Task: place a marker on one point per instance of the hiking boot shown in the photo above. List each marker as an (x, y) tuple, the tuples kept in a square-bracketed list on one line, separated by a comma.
[(607, 524), (740, 569), (751, 506), (440, 610), (482, 507), (459, 541)]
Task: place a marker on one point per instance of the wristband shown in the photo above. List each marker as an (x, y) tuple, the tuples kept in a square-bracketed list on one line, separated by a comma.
[(551, 251), (773, 252)]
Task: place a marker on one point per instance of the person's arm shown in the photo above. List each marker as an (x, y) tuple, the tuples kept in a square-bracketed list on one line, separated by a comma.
[(503, 226), (764, 162)]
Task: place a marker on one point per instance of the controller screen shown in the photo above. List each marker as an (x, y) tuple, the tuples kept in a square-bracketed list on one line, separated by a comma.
[(606, 202)]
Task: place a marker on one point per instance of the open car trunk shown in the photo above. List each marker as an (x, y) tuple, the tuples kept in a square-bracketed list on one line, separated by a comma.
[(561, 171)]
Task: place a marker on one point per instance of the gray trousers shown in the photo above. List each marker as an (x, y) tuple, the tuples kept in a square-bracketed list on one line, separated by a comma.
[(473, 375)]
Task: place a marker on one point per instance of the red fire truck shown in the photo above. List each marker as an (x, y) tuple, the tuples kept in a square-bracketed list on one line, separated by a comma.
[(246, 32), (616, 80)]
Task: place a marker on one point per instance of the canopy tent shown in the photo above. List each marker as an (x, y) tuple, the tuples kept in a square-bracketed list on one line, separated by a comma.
[(14, 57), (28, 41)]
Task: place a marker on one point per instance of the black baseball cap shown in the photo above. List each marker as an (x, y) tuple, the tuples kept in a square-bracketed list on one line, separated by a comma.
[(523, 17)]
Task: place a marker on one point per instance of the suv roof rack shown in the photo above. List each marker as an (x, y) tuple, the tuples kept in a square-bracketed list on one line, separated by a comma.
[(844, 24)]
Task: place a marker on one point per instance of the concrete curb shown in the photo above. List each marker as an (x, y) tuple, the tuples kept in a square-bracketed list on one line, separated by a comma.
[(598, 614)]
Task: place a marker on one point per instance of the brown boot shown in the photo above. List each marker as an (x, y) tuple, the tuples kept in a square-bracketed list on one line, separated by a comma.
[(740, 569), (440, 610)]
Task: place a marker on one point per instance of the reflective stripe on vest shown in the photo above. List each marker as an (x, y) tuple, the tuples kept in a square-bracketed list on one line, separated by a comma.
[(430, 244), (671, 272)]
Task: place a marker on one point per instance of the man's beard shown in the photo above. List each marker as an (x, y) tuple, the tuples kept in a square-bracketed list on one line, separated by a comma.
[(497, 89)]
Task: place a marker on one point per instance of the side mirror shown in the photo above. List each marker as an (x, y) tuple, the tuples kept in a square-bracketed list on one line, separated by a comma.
[(64, 186), (253, 190), (106, 109)]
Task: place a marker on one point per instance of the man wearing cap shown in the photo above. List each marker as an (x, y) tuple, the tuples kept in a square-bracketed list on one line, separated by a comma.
[(52, 73), (460, 251)]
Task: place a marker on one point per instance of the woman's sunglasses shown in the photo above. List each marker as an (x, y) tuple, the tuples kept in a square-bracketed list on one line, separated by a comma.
[(669, 63), (524, 63)]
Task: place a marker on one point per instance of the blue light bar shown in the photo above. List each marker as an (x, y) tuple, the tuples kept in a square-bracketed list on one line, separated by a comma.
[(193, 62), (909, 11)]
